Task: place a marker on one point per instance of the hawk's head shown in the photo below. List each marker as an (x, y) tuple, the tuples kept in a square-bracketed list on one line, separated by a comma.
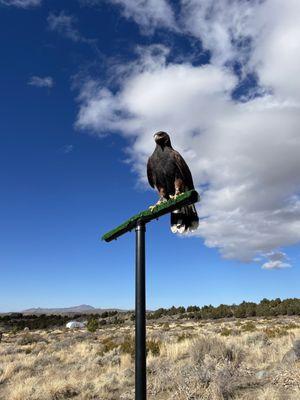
[(162, 138)]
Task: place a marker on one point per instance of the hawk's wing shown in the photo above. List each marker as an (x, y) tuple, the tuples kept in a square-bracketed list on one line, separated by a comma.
[(183, 169), (150, 173)]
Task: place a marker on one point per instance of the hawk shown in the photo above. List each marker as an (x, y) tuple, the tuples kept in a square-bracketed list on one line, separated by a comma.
[(170, 175)]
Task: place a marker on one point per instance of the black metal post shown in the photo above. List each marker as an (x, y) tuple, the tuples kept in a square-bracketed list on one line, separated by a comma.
[(140, 314)]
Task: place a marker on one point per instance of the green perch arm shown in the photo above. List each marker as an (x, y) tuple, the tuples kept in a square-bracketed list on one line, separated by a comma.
[(166, 207)]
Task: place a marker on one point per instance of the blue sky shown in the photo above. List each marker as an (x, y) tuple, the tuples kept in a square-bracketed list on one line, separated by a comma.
[(84, 85)]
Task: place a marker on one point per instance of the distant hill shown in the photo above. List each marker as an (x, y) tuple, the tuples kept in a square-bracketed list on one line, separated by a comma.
[(82, 309)]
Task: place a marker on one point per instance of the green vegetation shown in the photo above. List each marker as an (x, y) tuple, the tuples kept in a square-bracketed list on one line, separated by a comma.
[(15, 322), (128, 345), (184, 336), (153, 346), (226, 332), (266, 308), (92, 325), (166, 312), (29, 338), (108, 345), (276, 331), (107, 314), (249, 326)]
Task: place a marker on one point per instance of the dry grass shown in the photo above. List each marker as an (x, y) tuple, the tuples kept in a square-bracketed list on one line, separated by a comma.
[(186, 361)]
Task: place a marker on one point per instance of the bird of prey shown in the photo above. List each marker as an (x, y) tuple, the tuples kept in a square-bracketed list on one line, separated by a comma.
[(169, 174)]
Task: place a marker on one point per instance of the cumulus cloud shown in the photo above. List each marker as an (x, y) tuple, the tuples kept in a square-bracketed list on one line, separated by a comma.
[(276, 54), (223, 26), (244, 155), (275, 265), (262, 35), (41, 82), (277, 260), (21, 3)]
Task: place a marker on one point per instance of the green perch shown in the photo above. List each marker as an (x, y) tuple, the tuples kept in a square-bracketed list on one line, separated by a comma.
[(166, 207)]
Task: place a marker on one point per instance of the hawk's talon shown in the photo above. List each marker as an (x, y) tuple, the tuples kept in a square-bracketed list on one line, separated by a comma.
[(161, 200), (176, 195)]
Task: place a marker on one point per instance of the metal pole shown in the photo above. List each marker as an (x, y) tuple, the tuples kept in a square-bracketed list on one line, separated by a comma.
[(140, 314)]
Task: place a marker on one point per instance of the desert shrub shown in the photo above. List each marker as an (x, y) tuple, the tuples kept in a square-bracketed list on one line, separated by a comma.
[(117, 321), (183, 337), (63, 344), (166, 326), (128, 345), (153, 346), (112, 357), (291, 325), (258, 338), (273, 332), (81, 336), (249, 326), (226, 332), (92, 325), (16, 329), (189, 328), (107, 345), (208, 345), (28, 338), (62, 393), (216, 349)]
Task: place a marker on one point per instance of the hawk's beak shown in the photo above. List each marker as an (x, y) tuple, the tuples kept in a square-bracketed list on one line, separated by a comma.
[(155, 136)]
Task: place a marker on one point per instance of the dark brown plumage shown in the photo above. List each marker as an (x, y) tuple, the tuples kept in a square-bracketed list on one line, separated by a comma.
[(170, 175)]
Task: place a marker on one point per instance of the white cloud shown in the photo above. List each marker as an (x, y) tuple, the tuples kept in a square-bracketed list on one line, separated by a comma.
[(276, 55), (277, 260), (148, 14), (68, 148), (222, 26), (21, 3), (244, 155), (42, 82), (262, 35), (275, 265), (64, 25)]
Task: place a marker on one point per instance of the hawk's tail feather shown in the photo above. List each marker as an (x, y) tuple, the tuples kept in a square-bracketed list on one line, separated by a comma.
[(184, 220)]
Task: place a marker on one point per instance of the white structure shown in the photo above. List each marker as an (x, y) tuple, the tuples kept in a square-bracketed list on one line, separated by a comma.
[(75, 324)]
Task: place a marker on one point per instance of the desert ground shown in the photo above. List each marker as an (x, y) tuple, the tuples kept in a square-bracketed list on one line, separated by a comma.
[(208, 360)]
